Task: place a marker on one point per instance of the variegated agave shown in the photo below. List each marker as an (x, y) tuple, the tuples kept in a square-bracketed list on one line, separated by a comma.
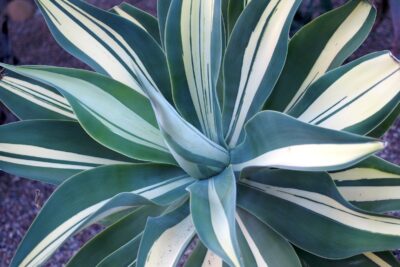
[(167, 142)]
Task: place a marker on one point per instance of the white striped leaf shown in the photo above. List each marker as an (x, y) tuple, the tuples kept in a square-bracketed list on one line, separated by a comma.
[(203, 257), (165, 238), (194, 51), (254, 58), (213, 207), (29, 99), (260, 246), (117, 188), (373, 185), (109, 44), (112, 243), (276, 140), (51, 151), (355, 98), (109, 111), (196, 154), (140, 18), (162, 14), (321, 45), (369, 259), (314, 212)]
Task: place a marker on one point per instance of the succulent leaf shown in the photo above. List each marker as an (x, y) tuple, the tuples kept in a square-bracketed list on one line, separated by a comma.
[(51, 150), (372, 185), (320, 46)]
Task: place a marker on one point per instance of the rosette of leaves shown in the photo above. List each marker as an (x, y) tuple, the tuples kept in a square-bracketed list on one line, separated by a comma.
[(208, 122)]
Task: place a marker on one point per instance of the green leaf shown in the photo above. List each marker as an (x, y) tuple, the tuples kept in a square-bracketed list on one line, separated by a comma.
[(369, 259), (124, 256), (75, 204), (135, 134), (355, 98), (254, 58), (292, 144), (194, 51), (109, 44), (140, 18), (51, 151), (29, 99), (320, 46), (235, 8), (373, 185), (162, 14), (213, 206), (116, 238), (262, 246), (166, 238), (385, 125), (196, 154), (307, 209)]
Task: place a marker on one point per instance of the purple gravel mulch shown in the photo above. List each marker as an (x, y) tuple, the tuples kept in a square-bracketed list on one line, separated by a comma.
[(21, 199)]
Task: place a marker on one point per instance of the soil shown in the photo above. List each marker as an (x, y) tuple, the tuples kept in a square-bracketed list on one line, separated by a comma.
[(31, 43)]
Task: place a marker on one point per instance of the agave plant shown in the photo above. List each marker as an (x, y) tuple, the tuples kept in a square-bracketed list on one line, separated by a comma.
[(208, 124)]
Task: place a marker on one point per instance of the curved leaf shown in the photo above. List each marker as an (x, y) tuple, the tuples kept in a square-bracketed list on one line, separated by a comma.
[(213, 205), (29, 99), (254, 58), (113, 239), (373, 185), (140, 18), (109, 44), (51, 151), (321, 45), (355, 98), (129, 127), (166, 238), (385, 125), (196, 154), (277, 140), (162, 14), (307, 209), (194, 51), (117, 187), (262, 246)]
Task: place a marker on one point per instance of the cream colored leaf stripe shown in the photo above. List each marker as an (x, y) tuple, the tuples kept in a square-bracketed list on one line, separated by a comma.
[(220, 223), (131, 126), (36, 156), (167, 249), (129, 17), (343, 36), (357, 95), (376, 259), (212, 260), (80, 220), (198, 26), (37, 95), (251, 243), (363, 184), (308, 156), (331, 208), (256, 61), (100, 42)]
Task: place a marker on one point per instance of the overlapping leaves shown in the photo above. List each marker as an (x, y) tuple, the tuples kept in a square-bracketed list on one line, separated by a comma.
[(184, 94)]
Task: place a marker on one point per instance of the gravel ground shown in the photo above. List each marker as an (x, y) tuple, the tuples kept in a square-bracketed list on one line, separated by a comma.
[(21, 199)]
